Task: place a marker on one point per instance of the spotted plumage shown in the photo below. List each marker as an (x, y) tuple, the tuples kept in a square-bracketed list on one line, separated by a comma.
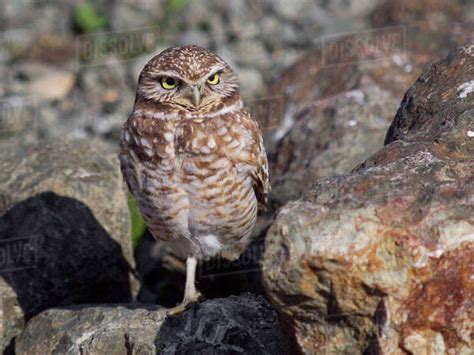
[(193, 157)]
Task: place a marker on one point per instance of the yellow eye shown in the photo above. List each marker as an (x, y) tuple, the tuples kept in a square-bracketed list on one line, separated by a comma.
[(213, 79), (169, 83)]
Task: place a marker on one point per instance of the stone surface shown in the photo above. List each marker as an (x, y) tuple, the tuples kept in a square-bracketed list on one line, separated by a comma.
[(86, 170), (54, 85), (66, 203), (380, 260), (317, 75), (105, 329), (431, 108), (243, 324), (328, 69), (328, 112), (329, 138), (389, 13), (235, 325)]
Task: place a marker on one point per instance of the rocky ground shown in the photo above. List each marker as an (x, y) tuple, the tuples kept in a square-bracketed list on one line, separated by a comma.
[(367, 245)]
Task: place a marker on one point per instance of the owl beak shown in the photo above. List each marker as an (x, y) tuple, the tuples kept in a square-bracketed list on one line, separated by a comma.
[(196, 95)]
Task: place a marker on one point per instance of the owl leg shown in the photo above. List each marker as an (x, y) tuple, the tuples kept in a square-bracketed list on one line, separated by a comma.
[(190, 293)]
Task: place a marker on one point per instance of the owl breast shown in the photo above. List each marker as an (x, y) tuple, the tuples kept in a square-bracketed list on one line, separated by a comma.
[(192, 184)]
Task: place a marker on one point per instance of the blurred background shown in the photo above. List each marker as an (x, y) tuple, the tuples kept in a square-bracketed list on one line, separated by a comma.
[(324, 79), (72, 66)]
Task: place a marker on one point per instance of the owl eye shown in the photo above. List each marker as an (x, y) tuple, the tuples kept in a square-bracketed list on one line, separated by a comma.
[(169, 83), (213, 79)]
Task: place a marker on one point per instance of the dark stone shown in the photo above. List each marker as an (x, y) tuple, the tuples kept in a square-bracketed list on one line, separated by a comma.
[(244, 324), (66, 258), (430, 107)]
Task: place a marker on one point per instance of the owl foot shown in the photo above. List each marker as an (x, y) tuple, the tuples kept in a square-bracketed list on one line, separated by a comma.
[(191, 298), (188, 301), (191, 295)]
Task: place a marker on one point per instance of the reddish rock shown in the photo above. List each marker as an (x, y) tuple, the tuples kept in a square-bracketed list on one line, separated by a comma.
[(381, 260)]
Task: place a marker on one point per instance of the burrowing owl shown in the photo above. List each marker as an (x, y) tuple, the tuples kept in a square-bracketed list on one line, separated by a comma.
[(193, 157)]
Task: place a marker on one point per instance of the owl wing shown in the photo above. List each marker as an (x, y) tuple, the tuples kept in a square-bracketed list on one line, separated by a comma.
[(254, 156)]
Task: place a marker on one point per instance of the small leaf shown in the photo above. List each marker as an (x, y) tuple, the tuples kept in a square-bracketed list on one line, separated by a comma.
[(174, 6), (138, 223), (86, 18)]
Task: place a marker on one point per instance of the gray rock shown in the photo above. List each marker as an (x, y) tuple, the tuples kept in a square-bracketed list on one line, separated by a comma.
[(378, 260), (86, 173), (105, 329), (251, 82), (108, 95), (441, 113), (196, 37), (350, 9), (238, 324), (139, 14), (53, 85), (329, 138)]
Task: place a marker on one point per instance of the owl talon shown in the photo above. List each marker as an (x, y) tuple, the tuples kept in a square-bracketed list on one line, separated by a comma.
[(195, 297), (188, 302)]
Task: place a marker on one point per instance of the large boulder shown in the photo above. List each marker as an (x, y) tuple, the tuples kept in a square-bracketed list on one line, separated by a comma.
[(328, 138), (320, 117), (380, 260), (65, 230), (234, 325)]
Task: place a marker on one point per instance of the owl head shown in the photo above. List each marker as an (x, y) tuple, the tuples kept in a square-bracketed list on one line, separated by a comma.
[(187, 78)]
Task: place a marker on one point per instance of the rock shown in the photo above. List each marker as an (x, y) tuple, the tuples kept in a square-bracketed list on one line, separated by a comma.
[(328, 69), (53, 86), (84, 170), (312, 78), (104, 118), (307, 137), (330, 136), (106, 329), (243, 324), (84, 215), (388, 13), (125, 15), (236, 324), (43, 83), (251, 82), (198, 38), (443, 109), (290, 10), (380, 260)]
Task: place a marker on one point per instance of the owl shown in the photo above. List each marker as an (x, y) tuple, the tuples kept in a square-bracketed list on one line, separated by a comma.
[(194, 158)]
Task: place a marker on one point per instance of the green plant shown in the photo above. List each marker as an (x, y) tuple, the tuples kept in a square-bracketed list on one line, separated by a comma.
[(173, 6), (138, 223), (87, 19)]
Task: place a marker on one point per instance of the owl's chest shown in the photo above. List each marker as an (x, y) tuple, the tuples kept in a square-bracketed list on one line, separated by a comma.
[(197, 151)]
